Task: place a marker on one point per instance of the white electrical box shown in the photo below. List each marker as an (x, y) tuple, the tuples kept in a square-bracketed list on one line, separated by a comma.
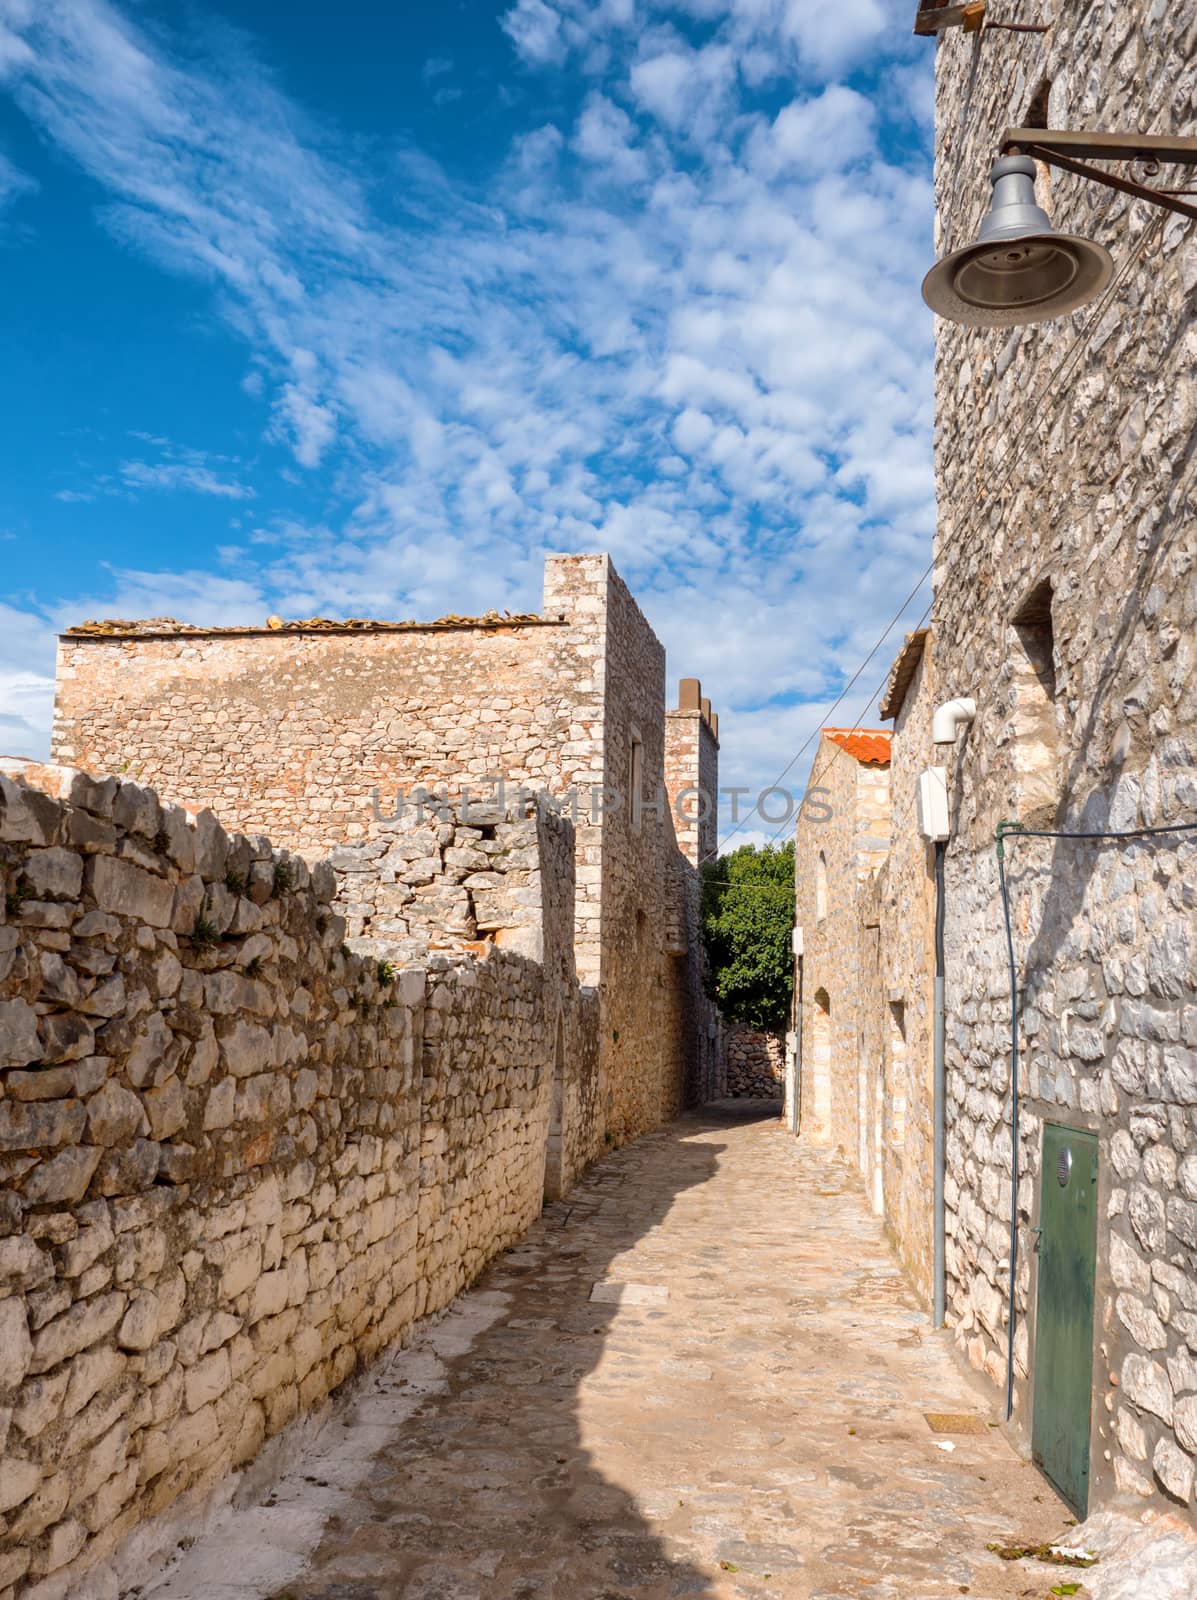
[(934, 816), (797, 941)]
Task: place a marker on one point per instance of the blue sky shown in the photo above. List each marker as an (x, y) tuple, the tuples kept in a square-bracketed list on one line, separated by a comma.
[(358, 310)]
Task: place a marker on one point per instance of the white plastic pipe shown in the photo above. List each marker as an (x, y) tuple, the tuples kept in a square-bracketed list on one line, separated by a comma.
[(947, 720)]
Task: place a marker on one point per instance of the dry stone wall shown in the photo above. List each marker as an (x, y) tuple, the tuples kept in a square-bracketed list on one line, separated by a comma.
[(309, 731), (1099, 507), (755, 1063), (237, 1159)]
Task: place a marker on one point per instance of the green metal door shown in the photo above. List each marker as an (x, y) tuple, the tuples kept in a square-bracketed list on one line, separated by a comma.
[(1064, 1312)]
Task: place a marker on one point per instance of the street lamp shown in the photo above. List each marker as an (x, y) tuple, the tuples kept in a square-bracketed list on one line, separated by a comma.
[(1020, 270)]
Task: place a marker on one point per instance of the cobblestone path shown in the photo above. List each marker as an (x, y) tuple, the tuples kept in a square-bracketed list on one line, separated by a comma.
[(736, 1409)]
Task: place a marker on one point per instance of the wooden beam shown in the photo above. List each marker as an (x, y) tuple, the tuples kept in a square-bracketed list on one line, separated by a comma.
[(934, 19)]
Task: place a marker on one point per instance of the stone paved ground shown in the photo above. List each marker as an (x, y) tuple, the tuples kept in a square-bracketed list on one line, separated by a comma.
[(743, 1418)]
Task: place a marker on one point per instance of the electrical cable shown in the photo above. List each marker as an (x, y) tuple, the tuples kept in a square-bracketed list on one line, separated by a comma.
[(1015, 830), (793, 761), (1008, 465)]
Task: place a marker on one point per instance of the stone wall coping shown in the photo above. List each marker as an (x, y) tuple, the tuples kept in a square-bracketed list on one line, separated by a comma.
[(103, 631)]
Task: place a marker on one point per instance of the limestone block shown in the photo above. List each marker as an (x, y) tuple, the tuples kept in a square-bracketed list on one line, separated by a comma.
[(76, 1081), (31, 1126), (139, 1327), (63, 1179), (79, 1328), (1146, 1384), (207, 1380), (166, 1108), (19, 1042), (16, 1347), (247, 1049), (66, 1036), (88, 1373), (1174, 1470), (23, 1263), (126, 890), (18, 1480)]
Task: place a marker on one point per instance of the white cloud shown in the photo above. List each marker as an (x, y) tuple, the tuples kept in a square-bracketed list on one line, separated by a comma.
[(178, 475), (27, 648), (536, 32), (674, 326)]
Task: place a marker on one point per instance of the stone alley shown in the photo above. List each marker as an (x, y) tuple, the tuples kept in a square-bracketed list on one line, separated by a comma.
[(702, 1374)]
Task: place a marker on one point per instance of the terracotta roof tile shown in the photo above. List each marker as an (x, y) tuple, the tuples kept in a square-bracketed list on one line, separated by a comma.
[(870, 745)]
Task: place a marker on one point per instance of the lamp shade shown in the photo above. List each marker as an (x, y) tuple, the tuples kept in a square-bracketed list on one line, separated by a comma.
[(1020, 269)]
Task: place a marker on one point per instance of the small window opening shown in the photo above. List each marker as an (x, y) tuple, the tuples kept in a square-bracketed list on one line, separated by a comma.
[(821, 888), (636, 780), (1033, 692), (1037, 107), (896, 1089)]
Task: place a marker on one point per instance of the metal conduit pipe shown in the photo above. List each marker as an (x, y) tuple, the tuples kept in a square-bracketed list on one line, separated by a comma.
[(935, 824)]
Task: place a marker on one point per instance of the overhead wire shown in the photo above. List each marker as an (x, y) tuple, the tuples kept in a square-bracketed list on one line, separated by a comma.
[(1006, 466)]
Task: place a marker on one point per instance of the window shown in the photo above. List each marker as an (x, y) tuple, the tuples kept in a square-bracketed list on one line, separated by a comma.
[(820, 1061), (821, 888), (1033, 727), (897, 1074), (636, 779)]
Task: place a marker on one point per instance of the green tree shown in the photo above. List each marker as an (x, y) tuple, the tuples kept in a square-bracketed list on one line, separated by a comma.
[(747, 915)]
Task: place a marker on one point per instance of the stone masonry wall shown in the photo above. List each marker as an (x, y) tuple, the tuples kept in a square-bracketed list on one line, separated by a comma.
[(1083, 482), (755, 1063), (307, 731), (237, 1159), (692, 791), (836, 1075), (900, 999), (294, 731), (643, 986)]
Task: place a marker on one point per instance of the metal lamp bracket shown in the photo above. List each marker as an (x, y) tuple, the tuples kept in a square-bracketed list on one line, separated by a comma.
[(1073, 152)]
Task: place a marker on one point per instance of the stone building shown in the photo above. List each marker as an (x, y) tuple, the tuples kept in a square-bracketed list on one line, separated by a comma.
[(311, 732), (834, 856), (1065, 604), (865, 904)]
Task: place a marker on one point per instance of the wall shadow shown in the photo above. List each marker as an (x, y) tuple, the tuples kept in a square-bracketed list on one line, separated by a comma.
[(489, 1491)]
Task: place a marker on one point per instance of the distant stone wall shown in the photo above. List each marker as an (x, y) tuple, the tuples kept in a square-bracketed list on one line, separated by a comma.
[(236, 1159), (755, 1063), (307, 732)]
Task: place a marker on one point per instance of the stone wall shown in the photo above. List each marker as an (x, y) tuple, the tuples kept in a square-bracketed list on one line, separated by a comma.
[(294, 731), (308, 731), (755, 1063), (692, 793), (237, 1159), (900, 999), (833, 856), (1066, 512)]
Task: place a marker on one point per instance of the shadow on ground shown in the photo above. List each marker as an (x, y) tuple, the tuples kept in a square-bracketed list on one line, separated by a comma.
[(490, 1488)]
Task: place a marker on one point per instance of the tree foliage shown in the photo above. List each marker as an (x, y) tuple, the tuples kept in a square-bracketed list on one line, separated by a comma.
[(747, 915)]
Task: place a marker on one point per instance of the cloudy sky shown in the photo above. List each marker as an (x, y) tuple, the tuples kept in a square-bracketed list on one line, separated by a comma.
[(358, 310)]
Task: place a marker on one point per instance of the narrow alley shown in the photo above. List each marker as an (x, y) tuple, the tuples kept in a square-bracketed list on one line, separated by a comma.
[(701, 1375)]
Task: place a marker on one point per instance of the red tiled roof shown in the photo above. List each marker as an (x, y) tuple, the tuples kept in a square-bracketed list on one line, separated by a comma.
[(865, 744)]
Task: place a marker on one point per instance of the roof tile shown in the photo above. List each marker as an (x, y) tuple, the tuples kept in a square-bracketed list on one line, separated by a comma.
[(868, 745)]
